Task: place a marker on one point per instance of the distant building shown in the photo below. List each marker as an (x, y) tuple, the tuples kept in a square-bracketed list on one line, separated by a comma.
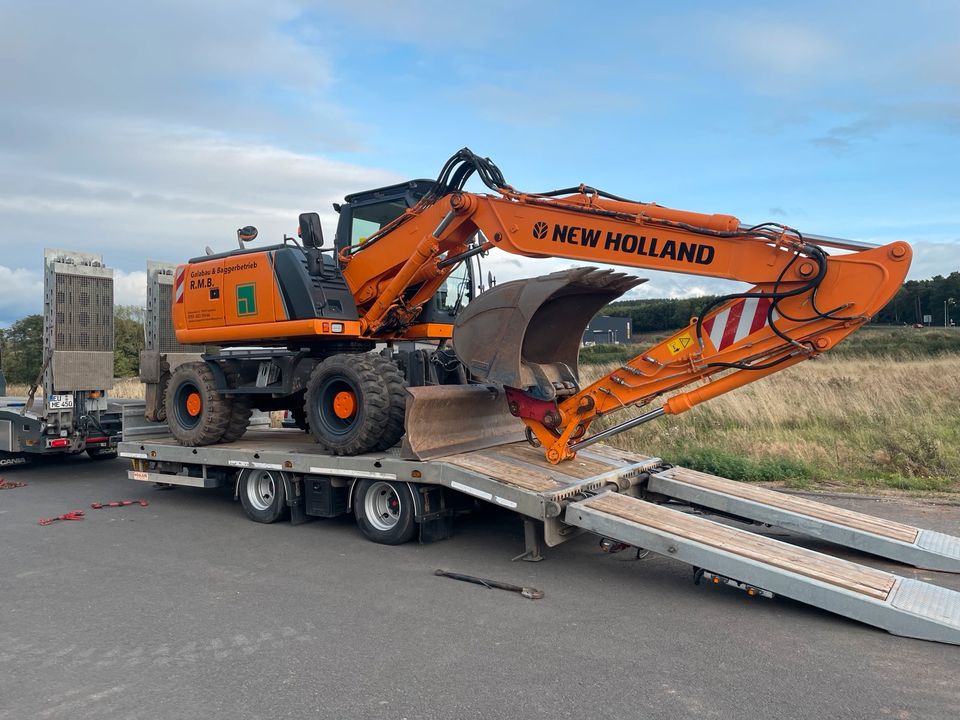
[(604, 329)]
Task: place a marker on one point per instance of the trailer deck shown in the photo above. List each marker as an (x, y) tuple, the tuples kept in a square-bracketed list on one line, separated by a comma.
[(624, 496)]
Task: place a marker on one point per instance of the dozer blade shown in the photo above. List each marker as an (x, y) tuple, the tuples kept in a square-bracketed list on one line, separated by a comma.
[(536, 321), (449, 419)]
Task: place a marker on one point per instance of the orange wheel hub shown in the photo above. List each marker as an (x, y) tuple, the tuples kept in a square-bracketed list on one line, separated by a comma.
[(344, 404), (194, 404)]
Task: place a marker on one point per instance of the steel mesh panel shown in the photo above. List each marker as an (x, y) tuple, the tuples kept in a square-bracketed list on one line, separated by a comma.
[(83, 313), (168, 338), (82, 370)]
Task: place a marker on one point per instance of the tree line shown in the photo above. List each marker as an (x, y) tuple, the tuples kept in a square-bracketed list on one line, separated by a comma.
[(938, 297), (21, 345), (915, 299)]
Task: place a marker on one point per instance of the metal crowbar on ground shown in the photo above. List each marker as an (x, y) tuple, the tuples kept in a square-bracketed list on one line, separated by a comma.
[(72, 515), (529, 593), (118, 503)]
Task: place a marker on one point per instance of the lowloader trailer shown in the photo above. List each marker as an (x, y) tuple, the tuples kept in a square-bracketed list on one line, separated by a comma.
[(72, 414), (623, 497)]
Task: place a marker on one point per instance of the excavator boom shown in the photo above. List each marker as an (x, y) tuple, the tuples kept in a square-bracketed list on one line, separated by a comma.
[(524, 335)]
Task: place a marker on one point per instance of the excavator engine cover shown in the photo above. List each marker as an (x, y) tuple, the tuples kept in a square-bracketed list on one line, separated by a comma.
[(526, 334)]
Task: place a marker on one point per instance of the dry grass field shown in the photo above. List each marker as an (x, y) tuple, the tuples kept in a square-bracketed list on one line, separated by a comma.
[(866, 424), (122, 388)]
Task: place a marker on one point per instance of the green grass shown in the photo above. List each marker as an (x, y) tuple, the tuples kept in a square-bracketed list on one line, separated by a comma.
[(899, 343), (718, 461), (862, 424)]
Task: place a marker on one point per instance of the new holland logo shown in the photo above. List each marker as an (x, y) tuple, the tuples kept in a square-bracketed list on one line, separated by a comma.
[(540, 230), (247, 299)]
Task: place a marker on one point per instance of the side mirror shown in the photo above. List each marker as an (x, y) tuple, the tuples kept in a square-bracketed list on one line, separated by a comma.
[(310, 231), (246, 234)]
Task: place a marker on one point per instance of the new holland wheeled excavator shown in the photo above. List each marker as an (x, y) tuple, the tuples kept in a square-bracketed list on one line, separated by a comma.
[(298, 323)]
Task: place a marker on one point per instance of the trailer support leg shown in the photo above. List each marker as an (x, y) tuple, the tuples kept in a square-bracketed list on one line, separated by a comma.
[(532, 540), (298, 511)]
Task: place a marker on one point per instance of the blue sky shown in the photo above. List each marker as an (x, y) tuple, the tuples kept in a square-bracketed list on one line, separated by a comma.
[(151, 131)]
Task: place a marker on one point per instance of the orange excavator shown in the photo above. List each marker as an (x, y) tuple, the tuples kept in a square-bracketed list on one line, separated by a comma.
[(299, 325)]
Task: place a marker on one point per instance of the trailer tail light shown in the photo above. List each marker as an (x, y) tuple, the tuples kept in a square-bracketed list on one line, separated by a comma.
[(59, 443), (97, 440)]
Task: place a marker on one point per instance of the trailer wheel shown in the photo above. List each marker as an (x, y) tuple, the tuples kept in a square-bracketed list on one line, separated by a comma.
[(355, 403), (101, 453), (196, 413), (262, 495), (385, 511)]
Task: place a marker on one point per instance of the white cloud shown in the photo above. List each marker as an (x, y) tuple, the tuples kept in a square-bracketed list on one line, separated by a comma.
[(22, 293), (130, 288), (153, 130)]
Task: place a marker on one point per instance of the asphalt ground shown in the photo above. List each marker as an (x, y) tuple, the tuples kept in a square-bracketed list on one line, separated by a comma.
[(185, 609)]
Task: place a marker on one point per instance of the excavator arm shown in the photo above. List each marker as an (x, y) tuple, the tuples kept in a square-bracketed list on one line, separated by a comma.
[(525, 335)]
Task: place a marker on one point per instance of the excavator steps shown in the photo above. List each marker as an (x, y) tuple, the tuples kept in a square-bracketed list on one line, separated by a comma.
[(877, 536), (899, 605)]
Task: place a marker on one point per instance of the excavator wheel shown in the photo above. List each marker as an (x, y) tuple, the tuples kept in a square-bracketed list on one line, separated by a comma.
[(196, 413), (355, 403), (162, 391), (299, 415), (240, 411)]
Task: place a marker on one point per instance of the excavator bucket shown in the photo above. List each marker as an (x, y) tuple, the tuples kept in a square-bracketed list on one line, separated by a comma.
[(507, 336), (541, 321), (449, 419)]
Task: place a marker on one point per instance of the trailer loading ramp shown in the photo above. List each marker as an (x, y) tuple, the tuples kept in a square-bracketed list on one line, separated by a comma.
[(899, 605), (599, 492), (886, 538)]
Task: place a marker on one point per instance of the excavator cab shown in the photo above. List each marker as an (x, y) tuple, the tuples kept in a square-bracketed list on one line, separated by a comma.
[(364, 213)]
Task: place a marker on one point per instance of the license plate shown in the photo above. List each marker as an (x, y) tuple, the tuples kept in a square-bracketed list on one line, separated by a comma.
[(60, 402)]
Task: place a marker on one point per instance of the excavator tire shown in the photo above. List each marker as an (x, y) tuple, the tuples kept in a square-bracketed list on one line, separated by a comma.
[(197, 413), (162, 391), (299, 415), (355, 403), (240, 411)]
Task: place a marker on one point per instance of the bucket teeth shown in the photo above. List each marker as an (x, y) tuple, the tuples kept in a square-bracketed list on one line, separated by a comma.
[(536, 321)]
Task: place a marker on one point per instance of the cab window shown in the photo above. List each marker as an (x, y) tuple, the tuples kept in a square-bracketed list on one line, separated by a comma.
[(367, 219), (456, 291)]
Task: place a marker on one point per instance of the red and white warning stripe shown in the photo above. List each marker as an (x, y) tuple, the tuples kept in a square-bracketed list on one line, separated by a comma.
[(178, 285), (734, 323)]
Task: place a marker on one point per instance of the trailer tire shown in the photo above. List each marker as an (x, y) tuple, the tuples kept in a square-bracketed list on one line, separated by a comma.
[(355, 403), (197, 414), (101, 453), (385, 511), (263, 495)]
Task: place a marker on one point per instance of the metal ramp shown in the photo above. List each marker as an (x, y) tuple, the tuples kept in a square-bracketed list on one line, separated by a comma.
[(901, 606), (886, 538)]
